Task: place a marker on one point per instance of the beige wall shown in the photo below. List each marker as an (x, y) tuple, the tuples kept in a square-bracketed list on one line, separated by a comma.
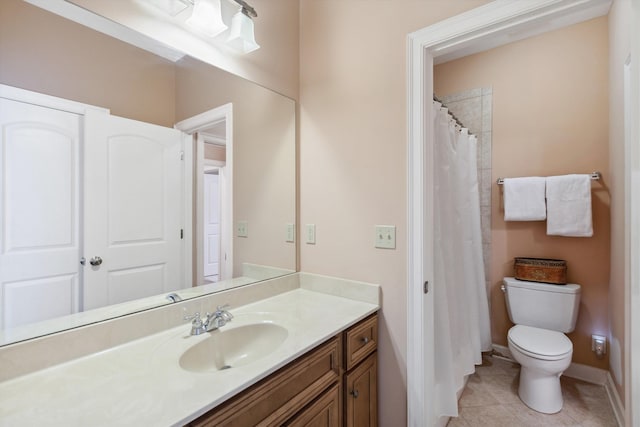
[(619, 48), (550, 117), (263, 157), (44, 53), (353, 120)]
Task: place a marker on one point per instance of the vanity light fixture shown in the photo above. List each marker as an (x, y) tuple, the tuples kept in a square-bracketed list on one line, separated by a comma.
[(207, 17), (241, 36)]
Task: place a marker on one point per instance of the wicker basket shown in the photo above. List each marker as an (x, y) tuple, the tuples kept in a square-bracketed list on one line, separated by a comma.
[(541, 270)]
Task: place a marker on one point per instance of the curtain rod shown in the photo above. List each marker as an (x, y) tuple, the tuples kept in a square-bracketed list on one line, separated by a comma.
[(595, 176)]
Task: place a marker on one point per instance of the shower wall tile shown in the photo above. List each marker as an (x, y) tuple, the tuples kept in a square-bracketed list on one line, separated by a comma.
[(485, 220), (469, 112), (455, 97), (487, 115), (485, 151), (485, 187)]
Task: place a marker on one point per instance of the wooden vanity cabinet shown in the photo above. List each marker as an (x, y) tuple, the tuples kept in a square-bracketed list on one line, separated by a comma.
[(361, 376), (333, 385)]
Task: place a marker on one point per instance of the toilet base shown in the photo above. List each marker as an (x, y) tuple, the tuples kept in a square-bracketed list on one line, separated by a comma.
[(540, 391)]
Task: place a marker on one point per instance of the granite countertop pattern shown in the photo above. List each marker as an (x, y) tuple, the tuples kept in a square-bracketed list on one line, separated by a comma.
[(142, 383)]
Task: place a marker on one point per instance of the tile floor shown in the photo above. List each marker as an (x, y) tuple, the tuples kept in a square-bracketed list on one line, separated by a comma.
[(491, 399)]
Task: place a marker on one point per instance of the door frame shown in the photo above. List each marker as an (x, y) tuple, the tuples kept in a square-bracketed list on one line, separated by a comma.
[(494, 24), (190, 127), (632, 249)]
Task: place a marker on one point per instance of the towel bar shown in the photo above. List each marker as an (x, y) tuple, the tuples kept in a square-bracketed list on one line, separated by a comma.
[(595, 176)]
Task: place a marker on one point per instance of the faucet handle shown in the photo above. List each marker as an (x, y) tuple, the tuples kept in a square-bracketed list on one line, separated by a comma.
[(197, 326)]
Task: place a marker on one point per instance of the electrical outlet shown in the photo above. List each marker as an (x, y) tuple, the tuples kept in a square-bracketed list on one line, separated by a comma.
[(242, 229), (385, 236), (599, 345), (290, 233), (311, 234)]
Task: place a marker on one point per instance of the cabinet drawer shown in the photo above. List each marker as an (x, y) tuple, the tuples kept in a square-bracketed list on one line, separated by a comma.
[(280, 396), (360, 341)]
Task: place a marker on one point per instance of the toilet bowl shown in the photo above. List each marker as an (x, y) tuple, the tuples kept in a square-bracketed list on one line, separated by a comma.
[(543, 355), (542, 314)]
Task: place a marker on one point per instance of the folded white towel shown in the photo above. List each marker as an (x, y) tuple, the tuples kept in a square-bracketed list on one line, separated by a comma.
[(569, 206), (524, 199)]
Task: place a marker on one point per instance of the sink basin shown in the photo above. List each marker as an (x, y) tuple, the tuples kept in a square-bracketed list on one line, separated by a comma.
[(230, 347)]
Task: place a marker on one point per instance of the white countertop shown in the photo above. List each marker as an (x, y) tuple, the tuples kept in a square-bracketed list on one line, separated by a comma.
[(142, 383)]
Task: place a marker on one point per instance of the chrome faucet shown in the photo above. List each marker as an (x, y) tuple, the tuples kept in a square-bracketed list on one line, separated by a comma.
[(197, 326), (213, 321), (218, 318)]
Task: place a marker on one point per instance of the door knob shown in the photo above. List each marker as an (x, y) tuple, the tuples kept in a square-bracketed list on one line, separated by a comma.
[(96, 260)]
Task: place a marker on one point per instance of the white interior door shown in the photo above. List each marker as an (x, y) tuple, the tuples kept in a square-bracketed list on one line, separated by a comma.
[(39, 213), (133, 210), (211, 226)]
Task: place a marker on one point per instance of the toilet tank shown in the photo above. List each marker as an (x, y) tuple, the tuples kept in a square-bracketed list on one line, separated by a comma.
[(542, 305)]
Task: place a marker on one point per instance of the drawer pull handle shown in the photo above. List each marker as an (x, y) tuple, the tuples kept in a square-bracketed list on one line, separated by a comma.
[(365, 340), (355, 394)]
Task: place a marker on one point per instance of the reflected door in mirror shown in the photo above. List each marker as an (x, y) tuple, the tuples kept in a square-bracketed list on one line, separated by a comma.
[(212, 226), (67, 247), (133, 215), (39, 234)]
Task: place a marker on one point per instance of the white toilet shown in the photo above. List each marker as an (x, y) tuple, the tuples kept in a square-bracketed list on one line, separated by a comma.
[(542, 313)]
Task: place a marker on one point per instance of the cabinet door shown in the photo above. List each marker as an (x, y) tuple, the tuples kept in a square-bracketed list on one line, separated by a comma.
[(324, 412), (361, 394)]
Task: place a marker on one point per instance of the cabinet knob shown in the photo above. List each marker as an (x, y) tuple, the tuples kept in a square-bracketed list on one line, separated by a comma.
[(365, 340), (354, 393)]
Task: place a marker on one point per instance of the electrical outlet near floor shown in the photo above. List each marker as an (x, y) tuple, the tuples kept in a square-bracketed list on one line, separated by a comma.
[(385, 236)]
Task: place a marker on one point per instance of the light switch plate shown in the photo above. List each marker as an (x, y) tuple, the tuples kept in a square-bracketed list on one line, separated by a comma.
[(242, 229), (311, 234), (290, 233), (385, 236)]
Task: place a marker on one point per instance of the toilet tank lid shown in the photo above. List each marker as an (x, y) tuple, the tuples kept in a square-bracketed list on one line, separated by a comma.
[(570, 288)]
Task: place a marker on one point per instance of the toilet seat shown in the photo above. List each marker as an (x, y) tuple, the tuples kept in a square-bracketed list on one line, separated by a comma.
[(540, 343)]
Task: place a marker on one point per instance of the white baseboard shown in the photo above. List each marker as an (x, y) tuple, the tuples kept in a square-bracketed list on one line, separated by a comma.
[(614, 398), (584, 373)]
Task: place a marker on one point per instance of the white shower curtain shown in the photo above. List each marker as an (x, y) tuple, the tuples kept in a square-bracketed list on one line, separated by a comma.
[(462, 329)]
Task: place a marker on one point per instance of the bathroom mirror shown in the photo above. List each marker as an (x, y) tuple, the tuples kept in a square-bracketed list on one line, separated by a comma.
[(254, 145)]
